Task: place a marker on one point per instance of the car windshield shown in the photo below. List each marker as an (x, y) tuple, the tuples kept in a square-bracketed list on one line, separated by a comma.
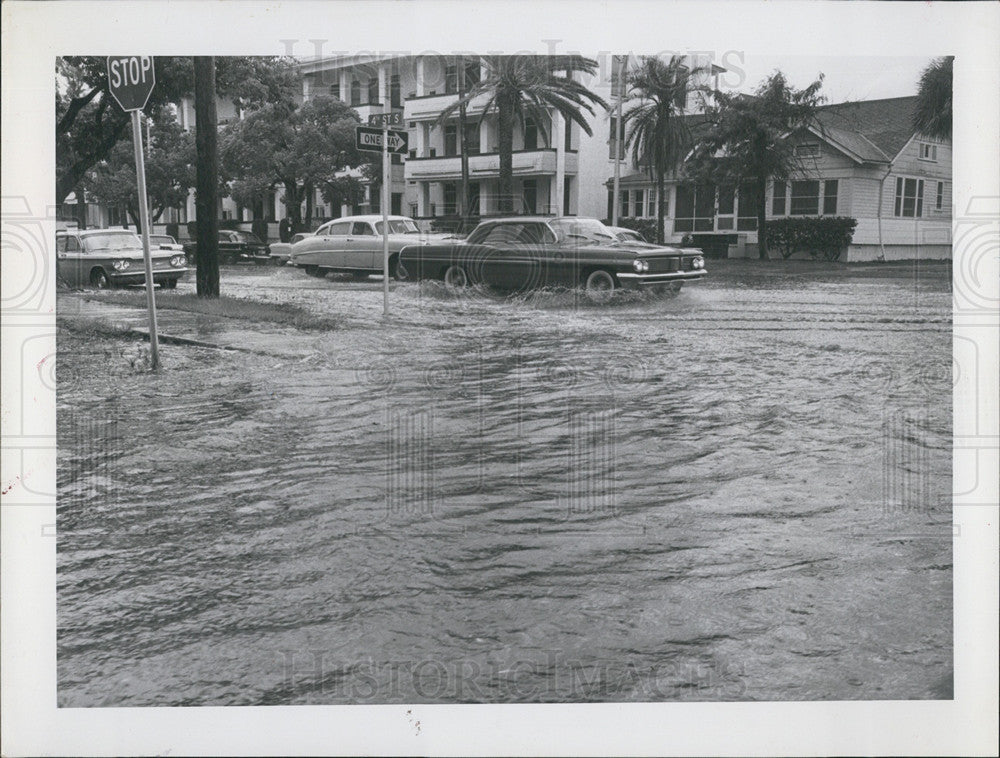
[(398, 226), (116, 241), (589, 229), (161, 239), (248, 237)]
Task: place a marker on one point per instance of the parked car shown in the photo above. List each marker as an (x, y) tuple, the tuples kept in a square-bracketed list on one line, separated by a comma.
[(281, 252), (105, 258), (353, 245), (235, 247), (622, 234), (519, 253)]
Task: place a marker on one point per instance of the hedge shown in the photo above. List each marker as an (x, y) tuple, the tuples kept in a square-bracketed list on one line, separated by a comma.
[(826, 236)]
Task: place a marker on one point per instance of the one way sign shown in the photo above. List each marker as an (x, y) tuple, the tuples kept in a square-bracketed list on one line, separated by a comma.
[(371, 139)]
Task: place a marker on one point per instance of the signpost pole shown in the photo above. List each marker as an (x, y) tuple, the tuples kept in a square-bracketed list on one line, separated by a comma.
[(386, 195), (140, 175)]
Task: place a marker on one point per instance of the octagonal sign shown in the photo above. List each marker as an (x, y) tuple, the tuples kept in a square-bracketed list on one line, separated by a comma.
[(130, 80)]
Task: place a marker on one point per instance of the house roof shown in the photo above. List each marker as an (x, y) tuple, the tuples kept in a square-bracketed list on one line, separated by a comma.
[(874, 130)]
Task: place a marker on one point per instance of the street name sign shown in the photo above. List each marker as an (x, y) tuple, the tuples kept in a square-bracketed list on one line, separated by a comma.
[(395, 118), (371, 139), (130, 80)]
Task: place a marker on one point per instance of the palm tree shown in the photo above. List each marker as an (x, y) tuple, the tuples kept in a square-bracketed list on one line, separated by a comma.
[(933, 114), (520, 87), (656, 129)]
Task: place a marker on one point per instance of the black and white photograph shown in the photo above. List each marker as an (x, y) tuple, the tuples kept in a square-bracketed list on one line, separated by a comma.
[(422, 373)]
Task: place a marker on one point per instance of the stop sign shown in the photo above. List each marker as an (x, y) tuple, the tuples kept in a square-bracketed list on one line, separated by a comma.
[(131, 80)]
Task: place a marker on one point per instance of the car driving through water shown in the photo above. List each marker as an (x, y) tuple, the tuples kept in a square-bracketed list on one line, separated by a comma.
[(520, 253)]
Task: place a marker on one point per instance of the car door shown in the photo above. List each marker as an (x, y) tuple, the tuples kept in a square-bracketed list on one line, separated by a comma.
[(516, 260), (362, 243), (67, 269)]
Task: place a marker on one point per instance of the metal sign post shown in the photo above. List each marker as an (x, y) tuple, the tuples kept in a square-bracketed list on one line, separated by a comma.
[(385, 212), (130, 81), (140, 175)]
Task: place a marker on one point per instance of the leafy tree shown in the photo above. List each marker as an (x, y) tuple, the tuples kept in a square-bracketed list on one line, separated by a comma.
[(655, 128), (745, 139), (89, 122), (933, 114), (170, 171), (297, 148), (528, 86)]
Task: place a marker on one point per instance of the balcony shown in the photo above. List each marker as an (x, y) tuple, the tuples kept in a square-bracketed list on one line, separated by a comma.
[(526, 162), (429, 107)]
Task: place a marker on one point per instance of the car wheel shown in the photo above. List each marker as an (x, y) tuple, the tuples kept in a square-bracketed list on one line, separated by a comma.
[(169, 284), (456, 278), (600, 285), (99, 279), (397, 270)]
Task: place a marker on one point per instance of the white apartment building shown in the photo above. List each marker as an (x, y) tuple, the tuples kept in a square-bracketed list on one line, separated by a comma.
[(558, 169)]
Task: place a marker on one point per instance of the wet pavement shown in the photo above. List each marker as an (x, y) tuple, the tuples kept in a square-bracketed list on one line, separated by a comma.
[(741, 493)]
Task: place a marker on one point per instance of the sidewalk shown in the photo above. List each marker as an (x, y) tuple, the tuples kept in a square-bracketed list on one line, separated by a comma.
[(196, 329)]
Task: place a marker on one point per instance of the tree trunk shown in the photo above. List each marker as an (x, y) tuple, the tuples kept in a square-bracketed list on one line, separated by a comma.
[(68, 181), (761, 192), (463, 196), (505, 144), (310, 192), (293, 204), (660, 207), (207, 190)]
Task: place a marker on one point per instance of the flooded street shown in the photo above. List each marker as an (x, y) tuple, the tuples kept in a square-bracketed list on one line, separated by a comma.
[(742, 493)]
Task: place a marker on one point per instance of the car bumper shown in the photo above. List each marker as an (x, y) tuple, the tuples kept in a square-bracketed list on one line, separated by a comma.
[(640, 280), (139, 277)]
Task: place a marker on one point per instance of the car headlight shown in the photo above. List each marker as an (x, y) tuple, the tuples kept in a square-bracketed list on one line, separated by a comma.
[(640, 265), (121, 265), (177, 261), (698, 263)]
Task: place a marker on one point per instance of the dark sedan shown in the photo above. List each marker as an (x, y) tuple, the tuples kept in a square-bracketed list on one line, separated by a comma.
[(235, 247), (521, 253)]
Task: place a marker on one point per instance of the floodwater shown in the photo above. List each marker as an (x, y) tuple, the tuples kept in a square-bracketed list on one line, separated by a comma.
[(739, 494)]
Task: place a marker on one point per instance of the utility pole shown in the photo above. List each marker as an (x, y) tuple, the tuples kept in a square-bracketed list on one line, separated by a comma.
[(386, 196), (206, 132), (617, 79)]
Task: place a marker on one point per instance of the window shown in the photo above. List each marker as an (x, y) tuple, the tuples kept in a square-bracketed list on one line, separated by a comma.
[(807, 150), (395, 98), (778, 204), (340, 229), (414, 208), (335, 90), (473, 199), (451, 79), (450, 139), (396, 204), (830, 187), (928, 152), (373, 97), (695, 208), (623, 200), (805, 198), (530, 189), (747, 200), (939, 199), (530, 135), (450, 199), (909, 197), (516, 233), (568, 143), (471, 73), (651, 205), (355, 92), (620, 140), (362, 229), (472, 138)]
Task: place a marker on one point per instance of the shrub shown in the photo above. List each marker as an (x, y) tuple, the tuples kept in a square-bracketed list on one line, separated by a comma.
[(825, 236), (645, 226), (173, 230)]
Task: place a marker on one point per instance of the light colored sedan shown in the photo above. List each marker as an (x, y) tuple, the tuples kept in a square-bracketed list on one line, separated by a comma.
[(281, 252), (353, 245)]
